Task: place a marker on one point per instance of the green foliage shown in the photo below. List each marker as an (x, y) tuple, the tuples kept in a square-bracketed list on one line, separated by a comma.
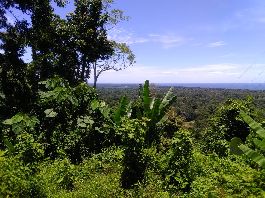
[(95, 176), (255, 155), (225, 177), (153, 109), (175, 161), (17, 179), (140, 126), (21, 122), (225, 125), (75, 111), (122, 110), (57, 175), (133, 138), (27, 149), (15, 127)]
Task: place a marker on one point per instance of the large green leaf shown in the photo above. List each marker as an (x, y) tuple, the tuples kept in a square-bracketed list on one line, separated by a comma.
[(155, 114), (9, 145), (234, 146), (260, 143), (50, 113), (256, 127), (167, 100), (255, 156), (122, 109), (15, 119), (146, 97)]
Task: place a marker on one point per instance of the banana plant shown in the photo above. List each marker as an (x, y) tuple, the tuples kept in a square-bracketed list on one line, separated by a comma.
[(154, 109), (237, 146), (124, 109)]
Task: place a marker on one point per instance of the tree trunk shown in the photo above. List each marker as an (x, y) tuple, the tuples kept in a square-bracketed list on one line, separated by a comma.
[(95, 75)]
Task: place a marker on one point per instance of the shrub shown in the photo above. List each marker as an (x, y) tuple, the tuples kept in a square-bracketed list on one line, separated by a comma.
[(224, 177), (17, 180), (225, 125)]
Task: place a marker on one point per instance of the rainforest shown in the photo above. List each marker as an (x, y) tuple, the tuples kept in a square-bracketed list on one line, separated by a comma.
[(61, 136)]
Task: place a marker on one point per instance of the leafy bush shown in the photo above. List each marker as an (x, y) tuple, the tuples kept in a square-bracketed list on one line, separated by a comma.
[(133, 132), (140, 123), (176, 161), (27, 149), (225, 125), (223, 177), (17, 179), (256, 154)]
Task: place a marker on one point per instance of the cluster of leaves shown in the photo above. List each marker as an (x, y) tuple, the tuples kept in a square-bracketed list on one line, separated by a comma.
[(225, 125), (67, 121), (69, 47), (62, 149), (256, 154), (153, 141), (58, 139)]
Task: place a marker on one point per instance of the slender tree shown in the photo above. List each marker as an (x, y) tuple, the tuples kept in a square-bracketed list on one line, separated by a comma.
[(121, 58)]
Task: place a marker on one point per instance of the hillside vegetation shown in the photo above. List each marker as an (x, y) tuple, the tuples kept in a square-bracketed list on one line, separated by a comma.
[(75, 145), (60, 137)]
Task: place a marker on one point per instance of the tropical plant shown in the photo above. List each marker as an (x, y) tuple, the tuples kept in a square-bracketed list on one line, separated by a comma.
[(140, 124), (152, 108), (225, 125), (256, 154)]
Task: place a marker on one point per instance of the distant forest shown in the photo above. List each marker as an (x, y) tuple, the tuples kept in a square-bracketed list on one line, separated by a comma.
[(60, 137)]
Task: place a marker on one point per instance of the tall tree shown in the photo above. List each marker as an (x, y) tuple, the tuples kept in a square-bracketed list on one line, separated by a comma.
[(68, 47), (121, 58)]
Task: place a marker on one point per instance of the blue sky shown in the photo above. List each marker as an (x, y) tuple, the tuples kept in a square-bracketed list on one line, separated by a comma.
[(182, 41), (191, 41)]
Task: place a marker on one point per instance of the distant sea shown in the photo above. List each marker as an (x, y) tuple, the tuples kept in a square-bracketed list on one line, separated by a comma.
[(248, 86)]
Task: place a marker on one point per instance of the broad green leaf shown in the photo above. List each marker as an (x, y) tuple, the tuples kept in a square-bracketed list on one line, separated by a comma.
[(121, 110), (8, 122), (167, 100), (95, 104), (260, 143), (234, 146), (9, 145), (152, 102), (255, 156), (146, 97), (50, 113), (155, 114), (17, 128), (15, 119), (256, 127), (163, 120)]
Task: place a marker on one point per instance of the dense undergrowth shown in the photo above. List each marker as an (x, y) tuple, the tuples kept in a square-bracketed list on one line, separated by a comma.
[(58, 138), (72, 144)]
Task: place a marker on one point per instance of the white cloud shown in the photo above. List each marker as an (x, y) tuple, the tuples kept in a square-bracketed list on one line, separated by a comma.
[(251, 15), (123, 36), (165, 40), (217, 44), (212, 73)]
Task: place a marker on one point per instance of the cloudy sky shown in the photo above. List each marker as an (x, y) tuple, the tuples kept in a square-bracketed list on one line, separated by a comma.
[(192, 41)]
